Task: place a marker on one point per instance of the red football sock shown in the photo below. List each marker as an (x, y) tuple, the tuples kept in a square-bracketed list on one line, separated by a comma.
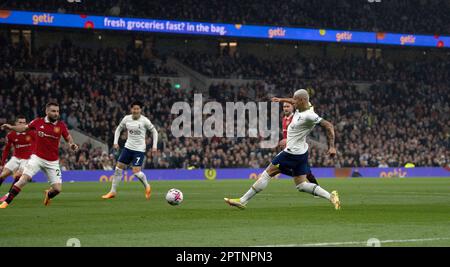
[(12, 194), (14, 182), (52, 193)]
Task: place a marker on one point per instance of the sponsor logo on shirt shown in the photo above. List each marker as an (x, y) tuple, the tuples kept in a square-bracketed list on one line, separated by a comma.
[(20, 146), (42, 134), (134, 132)]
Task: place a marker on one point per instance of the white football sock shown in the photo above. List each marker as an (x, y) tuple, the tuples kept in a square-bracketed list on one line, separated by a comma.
[(141, 176), (117, 177), (257, 187), (313, 189)]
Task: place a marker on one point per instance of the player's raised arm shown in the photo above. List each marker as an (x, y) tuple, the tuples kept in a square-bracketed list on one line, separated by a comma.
[(20, 127), (282, 100), (330, 136), (16, 128)]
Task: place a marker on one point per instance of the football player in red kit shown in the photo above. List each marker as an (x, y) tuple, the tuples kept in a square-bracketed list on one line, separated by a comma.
[(288, 112), (23, 148), (45, 156)]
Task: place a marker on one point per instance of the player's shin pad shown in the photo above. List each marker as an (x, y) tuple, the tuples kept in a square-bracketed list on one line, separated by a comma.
[(313, 189), (262, 182)]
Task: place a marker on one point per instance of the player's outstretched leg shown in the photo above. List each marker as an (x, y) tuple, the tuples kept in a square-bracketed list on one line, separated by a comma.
[(15, 190), (312, 179), (143, 179), (117, 177), (304, 186), (257, 187)]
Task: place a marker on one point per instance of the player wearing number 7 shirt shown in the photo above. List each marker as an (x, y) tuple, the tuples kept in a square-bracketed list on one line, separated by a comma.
[(134, 151), (45, 155)]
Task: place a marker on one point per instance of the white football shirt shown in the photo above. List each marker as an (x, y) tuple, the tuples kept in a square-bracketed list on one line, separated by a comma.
[(136, 132), (301, 125)]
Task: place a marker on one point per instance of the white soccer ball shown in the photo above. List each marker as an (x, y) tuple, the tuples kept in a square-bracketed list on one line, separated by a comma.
[(174, 197)]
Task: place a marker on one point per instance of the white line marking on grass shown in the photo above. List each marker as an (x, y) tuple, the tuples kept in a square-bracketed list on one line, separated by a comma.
[(355, 242)]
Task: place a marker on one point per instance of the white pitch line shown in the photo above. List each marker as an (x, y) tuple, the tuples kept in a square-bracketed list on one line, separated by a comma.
[(355, 242)]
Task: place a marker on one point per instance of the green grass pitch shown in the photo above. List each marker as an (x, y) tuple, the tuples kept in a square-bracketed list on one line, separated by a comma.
[(399, 212)]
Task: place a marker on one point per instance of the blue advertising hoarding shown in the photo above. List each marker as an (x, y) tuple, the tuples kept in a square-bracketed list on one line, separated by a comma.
[(218, 29), (245, 173)]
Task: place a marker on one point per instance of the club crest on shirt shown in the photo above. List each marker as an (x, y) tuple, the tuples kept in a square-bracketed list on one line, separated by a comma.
[(57, 129)]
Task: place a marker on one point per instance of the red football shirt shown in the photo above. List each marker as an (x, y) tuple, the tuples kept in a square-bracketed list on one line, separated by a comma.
[(48, 136), (22, 142), (286, 121)]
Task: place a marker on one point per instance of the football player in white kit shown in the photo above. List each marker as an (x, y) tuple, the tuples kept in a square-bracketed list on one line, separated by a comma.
[(294, 158), (134, 151)]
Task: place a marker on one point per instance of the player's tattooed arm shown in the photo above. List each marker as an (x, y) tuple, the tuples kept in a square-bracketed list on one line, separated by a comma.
[(330, 137), (282, 100), (16, 128)]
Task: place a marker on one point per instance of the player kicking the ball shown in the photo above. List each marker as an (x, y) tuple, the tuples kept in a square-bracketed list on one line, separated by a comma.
[(295, 156), (134, 151), (45, 155), (23, 148), (288, 111)]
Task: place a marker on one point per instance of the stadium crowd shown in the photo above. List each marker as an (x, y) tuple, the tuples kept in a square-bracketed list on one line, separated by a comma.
[(384, 125), (247, 66), (408, 16), (67, 58), (404, 118)]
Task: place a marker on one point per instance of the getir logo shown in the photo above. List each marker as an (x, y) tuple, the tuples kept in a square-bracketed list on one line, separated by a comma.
[(343, 36), (43, 19), (407, 39), (277, 32)]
